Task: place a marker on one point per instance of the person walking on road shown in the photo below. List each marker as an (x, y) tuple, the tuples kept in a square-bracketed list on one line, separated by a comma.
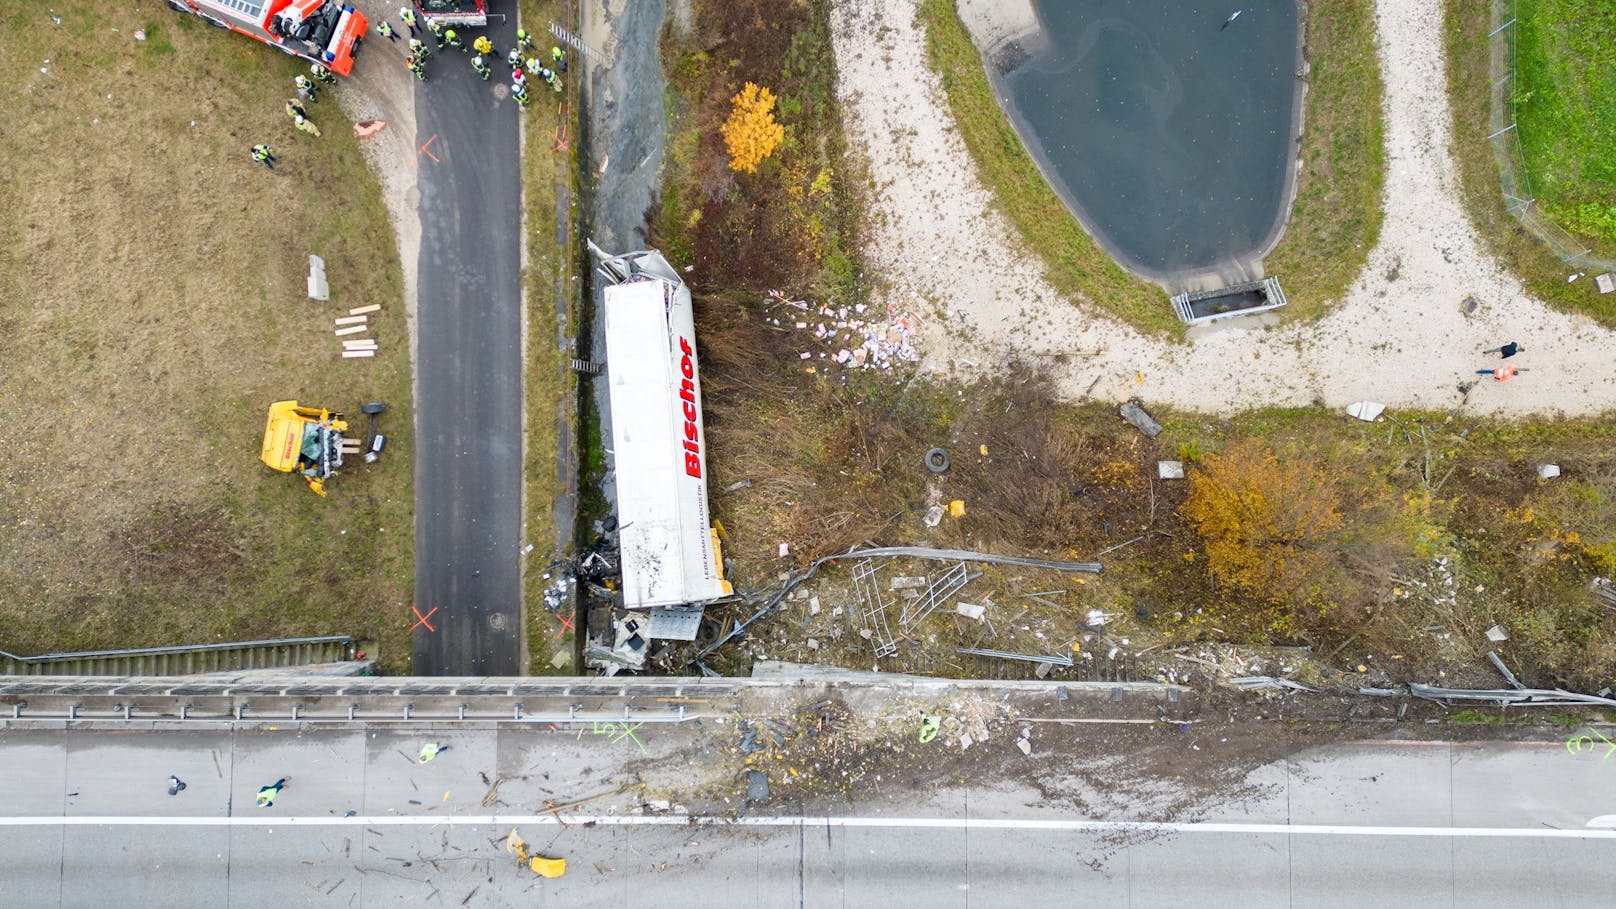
[(436, 28), (407, 16), (306, 89), (431, 750), (524, 41), (263, 155), (519, 94), (514, 58), (452, 38), (481, 68), (416, 67), (482, 45), (419, 50), (266, 795), (518, 77), (1506, 351), (386, 31), (322, 75), (175, 785)]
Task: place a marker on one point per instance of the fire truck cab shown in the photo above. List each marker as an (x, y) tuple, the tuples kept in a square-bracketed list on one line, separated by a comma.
[(319, 31)]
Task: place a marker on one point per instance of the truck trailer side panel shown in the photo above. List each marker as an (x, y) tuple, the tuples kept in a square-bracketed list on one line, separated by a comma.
[(660, 446)]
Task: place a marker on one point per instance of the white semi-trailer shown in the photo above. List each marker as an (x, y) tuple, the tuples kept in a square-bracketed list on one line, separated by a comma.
[(670, 552)]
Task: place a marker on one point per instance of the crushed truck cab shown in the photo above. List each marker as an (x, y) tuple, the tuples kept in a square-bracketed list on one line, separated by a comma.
[(305, 440)]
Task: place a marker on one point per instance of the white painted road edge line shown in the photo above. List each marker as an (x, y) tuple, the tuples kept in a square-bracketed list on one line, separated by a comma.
[(924, 823)]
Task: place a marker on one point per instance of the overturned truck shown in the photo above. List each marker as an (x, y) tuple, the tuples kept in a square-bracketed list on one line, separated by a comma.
[(671, 562)]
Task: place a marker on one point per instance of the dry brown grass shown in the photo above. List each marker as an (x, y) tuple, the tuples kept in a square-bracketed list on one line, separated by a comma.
[(151, 306)]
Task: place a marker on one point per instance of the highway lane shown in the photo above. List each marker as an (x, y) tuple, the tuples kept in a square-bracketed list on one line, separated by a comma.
[(468, 380), (1500, 825)]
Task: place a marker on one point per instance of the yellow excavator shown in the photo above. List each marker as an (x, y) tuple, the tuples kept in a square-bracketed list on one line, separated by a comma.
[(307, 440)]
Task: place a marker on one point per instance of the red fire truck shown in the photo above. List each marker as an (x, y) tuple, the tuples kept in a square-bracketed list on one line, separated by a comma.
[(454, 12), (319, 31)]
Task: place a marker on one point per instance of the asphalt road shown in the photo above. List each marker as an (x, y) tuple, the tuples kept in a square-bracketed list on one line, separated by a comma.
[(85, 813), (468, 380)]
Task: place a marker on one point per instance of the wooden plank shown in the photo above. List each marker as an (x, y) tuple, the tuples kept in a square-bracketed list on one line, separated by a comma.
[(350, 354), (361, 343), (351, 320), (361, 310), (352, 329)]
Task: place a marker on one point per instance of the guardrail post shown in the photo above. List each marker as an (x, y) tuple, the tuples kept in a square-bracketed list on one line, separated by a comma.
[(296, 709), (352, 709), (462, 711), (407, 709), (185, 711)]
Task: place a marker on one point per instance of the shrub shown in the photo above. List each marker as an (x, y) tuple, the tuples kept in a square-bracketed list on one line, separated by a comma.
[(751, 133)]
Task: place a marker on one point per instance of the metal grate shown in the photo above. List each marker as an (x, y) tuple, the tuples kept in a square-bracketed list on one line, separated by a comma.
[(939, 592), (872, 612)]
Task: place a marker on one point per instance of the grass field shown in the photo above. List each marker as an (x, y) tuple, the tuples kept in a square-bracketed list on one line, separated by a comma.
[(1565, 104), (1334, 222), (152, 304), (552, 386), (1530, 259), (1336, 217)]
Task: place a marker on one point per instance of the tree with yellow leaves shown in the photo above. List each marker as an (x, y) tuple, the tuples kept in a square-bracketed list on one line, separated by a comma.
[(1268, 525), (751, 133)]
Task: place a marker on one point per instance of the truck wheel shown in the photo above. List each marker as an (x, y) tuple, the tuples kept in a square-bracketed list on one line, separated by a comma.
[(937, 461)]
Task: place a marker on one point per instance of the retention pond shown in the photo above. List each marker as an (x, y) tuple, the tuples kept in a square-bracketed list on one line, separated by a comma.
[(1169, 134)]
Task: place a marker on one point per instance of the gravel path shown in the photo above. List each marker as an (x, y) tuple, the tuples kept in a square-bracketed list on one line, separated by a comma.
[(1401, 337)]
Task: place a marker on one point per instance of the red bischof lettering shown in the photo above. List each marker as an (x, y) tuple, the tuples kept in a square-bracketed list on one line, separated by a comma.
[(687, 397)]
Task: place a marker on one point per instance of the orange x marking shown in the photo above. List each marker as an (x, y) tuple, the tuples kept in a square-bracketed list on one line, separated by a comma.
[(423, 149), (566, 624), (421, 620)]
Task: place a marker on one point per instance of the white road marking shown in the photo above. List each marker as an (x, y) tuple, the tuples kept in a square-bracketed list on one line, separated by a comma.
[(927, 823)]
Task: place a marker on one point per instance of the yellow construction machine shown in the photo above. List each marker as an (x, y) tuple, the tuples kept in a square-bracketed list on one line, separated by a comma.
[(307, 440)]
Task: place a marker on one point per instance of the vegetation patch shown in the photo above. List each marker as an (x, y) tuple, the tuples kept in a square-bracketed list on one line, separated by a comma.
[(1565, 108), (152, 305), (549, 161), (1583, 182), (1336, 217)]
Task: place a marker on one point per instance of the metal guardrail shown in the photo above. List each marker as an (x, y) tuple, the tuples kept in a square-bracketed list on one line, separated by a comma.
[(177, 649)]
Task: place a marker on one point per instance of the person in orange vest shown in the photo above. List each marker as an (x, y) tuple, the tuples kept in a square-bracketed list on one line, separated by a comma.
[(1502, 373)]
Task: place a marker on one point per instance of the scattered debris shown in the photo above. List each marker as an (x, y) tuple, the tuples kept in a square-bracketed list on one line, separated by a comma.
[(851, 336), (319, 287), (1548, 471), (1367, 411), (929, 727), (1170, 470), (1492, 657), (1140, 419), (1064, 660), (1497, 634), (364, 129), (934, 516), (757, 786), (956, 508), (937, 461), (1605, 282), (971, 611), (540, 865)]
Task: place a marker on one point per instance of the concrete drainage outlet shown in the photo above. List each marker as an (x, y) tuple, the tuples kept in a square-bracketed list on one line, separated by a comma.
[(497, 621)]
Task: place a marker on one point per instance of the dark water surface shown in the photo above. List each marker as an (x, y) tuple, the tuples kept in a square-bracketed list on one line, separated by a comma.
[(1168, 136)]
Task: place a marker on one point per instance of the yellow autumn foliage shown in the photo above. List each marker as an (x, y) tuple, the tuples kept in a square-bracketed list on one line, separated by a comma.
[(1267, 525), (751, 133)]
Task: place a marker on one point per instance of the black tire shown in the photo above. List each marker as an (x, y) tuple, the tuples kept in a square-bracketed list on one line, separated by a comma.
[(937, 461)]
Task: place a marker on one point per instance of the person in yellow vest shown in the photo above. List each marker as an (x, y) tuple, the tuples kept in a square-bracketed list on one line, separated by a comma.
[(266, 795), (482, 45)]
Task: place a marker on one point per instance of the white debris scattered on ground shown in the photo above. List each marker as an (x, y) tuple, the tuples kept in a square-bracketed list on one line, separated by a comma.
[(856, 337)]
